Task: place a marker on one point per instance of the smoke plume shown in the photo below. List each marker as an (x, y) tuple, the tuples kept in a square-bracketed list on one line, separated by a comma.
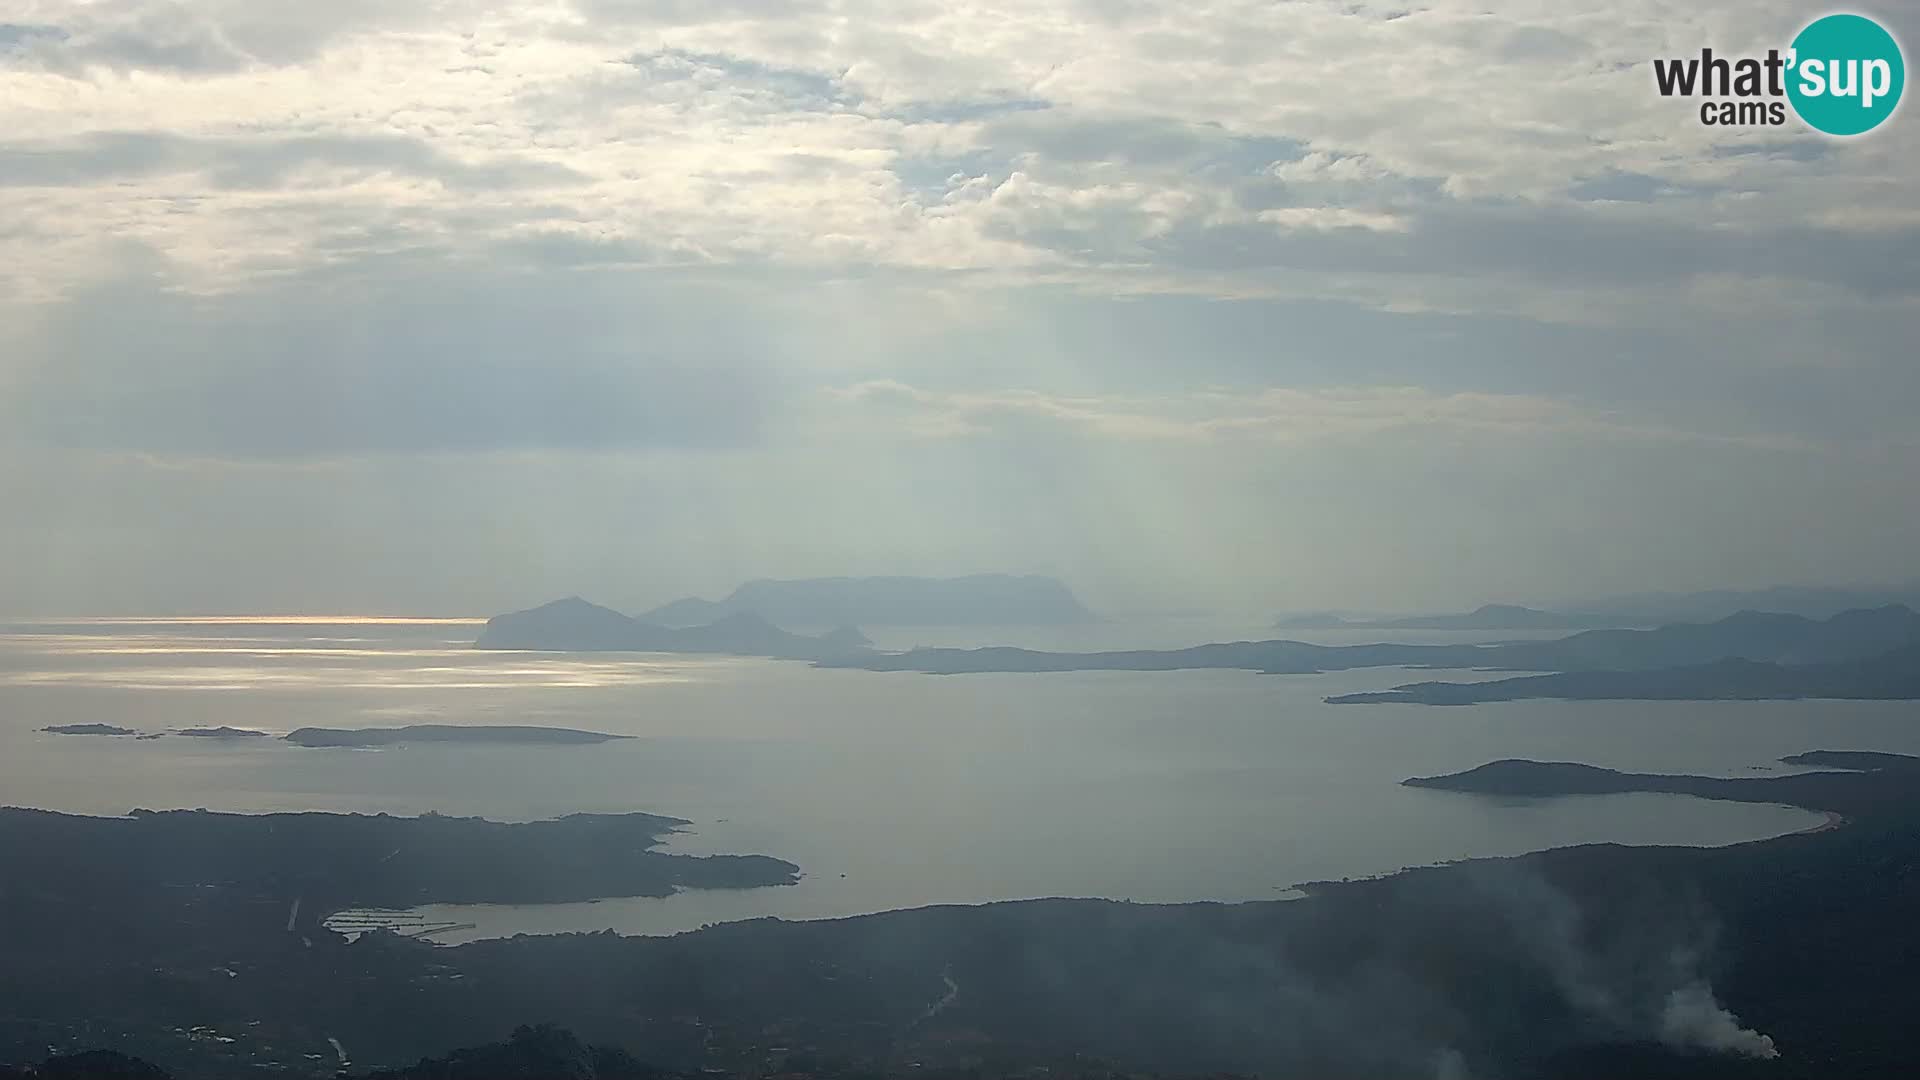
[(1695, 1018)]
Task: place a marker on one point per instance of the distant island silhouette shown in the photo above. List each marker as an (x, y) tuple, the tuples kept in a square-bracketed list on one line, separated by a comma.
[(575, 625), (448, 733), (1631, 610), (1755, 636), (1866, 783), (1813, 601), (86, 729), (1485, 617), (1865, 653), (1892, 676), (974, 600), (475, 734)]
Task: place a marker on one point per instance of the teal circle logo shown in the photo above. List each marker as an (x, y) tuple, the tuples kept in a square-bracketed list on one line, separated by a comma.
[(1845, 74)]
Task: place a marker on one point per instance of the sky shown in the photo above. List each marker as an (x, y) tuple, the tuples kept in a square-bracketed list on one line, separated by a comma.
[(458, 306)]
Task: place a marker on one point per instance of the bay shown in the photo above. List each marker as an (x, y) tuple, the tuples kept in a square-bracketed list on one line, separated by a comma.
[(889, 790)]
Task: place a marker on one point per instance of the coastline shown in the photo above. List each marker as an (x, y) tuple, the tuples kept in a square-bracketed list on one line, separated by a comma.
[(1834, 820), (1817, 904)]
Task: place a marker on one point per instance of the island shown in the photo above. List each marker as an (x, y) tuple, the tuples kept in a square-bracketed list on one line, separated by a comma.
[(482, 735), (1485, 617), (1758, 636), (974, 600), (86, 729), (1892, 676), (1813, 601), (466, 734), (1856, 760), (576, 625), (1871, 784)]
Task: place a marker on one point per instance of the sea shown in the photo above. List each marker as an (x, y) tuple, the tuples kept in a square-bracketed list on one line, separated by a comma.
[(889, 790)]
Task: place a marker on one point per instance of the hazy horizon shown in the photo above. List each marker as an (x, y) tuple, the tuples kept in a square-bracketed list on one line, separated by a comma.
[(1251, 615)]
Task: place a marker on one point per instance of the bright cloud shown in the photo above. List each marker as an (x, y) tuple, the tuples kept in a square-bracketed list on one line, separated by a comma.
[(1068, 140)]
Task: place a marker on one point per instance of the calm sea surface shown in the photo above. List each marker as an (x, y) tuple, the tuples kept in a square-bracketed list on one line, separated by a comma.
[(889, 790)]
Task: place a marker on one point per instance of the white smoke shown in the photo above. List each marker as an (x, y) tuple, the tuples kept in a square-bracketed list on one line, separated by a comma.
[(1450, 1064), (1617, 984), (1695, 1018)]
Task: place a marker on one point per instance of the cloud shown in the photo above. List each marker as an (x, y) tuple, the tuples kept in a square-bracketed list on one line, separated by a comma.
[(18, 37), (1273, 415), (1172, 260), (1448, 157), (198, 37), (237, 162), (1323, 218)]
